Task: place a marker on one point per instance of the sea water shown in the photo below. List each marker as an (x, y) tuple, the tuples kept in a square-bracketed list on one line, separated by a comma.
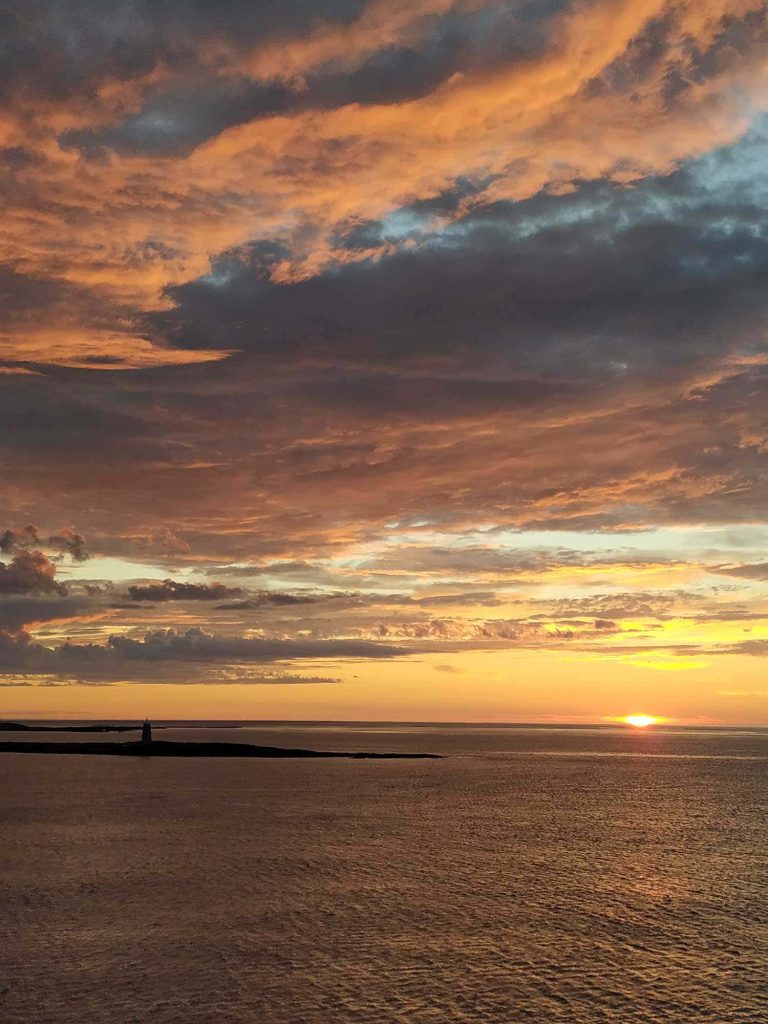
[(537, 875)]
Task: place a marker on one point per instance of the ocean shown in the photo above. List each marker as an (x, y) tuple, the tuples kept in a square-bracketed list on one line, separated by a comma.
[(535, 874)]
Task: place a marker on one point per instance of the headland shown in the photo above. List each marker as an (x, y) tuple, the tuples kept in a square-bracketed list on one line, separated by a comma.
[(172, 748)]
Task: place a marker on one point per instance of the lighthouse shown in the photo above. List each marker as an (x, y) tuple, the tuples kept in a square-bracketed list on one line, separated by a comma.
[(146, 732)]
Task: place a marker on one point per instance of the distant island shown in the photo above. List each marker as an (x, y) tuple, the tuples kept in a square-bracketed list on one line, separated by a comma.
[(20, 727), (147, 747), (171, 748)]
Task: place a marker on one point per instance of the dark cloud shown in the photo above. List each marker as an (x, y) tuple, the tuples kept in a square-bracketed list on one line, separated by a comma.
[(197, 645), (64, 47), (753, 571), (11, 540), (177, 118), (71, 542), (170, 656), (268, 599), (629, 605), (754, 648), (66, 541), (22, 610), (469, 596), (607, 624), (30, 572), (171, 590), (600, 284), (262, 678)]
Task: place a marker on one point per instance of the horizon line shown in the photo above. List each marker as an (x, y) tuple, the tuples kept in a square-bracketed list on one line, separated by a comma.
[(403, 722)]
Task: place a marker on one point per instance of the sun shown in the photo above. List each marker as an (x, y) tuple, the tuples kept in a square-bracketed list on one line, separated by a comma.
[(641, 721)]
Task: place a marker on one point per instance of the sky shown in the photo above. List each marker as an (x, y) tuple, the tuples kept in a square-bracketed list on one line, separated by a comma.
[(384, 360)]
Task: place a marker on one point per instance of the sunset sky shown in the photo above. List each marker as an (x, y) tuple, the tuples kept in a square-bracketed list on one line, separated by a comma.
[(384, 360)]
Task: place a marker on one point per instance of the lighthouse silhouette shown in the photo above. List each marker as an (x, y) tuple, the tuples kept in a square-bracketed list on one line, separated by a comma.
[(146, 732)]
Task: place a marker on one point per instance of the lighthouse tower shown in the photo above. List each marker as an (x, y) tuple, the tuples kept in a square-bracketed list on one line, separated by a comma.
[(146, 733)]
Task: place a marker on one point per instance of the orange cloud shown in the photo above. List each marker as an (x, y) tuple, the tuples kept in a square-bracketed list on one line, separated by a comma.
[(131, 226)]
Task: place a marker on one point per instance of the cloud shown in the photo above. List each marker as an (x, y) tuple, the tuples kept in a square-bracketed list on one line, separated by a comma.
[(753, 571), (423, 326), (460, 356), (66, 541), (171, 656), (756, 648), (12, 539), (594, 282), (268, 599), (30, 610), (197, 645), (171, 144), (71, 542), (171, 590), (30, 572)]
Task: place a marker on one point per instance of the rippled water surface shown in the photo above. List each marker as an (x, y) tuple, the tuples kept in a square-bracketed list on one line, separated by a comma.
[(533, 875)]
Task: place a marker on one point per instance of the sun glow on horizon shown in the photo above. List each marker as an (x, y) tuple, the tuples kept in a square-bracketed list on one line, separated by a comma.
[(642, 721)]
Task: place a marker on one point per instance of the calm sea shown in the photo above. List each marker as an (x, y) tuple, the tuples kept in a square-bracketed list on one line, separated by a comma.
[(534, 875)]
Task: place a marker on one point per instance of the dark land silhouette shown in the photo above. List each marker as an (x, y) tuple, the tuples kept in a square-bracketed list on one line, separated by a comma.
[(21, 727), (171, 748), (147, 747)]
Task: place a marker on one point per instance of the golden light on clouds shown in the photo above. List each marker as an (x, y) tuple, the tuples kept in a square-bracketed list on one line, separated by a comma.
[(413, 335)]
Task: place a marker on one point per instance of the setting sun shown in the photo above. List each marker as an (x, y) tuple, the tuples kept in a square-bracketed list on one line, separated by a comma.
[(641, 721)]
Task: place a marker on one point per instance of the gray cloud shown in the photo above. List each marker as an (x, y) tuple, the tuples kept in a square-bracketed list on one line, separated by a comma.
[(753, 571), (23, 609), (68, 47), (604, 282), (30, 572), (66, 541), (12, 539), (755, 648), (178, 117), (268, 599), (172, 590), (168, 655)]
